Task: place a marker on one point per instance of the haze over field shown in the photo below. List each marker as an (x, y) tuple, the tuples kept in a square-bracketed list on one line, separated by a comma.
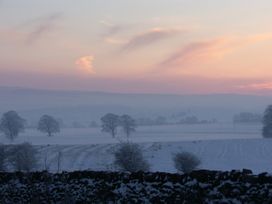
[(87, 106)]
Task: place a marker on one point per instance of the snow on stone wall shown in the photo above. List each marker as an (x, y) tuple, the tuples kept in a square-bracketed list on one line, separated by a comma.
[(112, 187)]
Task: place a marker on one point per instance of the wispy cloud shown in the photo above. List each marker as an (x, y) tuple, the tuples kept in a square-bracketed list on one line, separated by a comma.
[(85, 64), (31, 31), (111, 29), (209, 50), (114, 41), (152, 36), (258, 86), (41, 26), (197, 51)]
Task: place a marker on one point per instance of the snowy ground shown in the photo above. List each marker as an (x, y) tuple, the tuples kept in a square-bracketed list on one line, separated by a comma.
[(166, 133), (255, 154), (220, 147)]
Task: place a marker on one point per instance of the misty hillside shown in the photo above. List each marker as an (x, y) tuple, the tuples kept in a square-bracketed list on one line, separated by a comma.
[(86, 106)]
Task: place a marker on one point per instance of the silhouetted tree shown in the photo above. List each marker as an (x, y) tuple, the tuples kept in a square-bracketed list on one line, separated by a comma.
[(246, 117), (186, 162), (59, 160), (129, 157), (12, 124), (267, 122), (23, 157), (128, 124), (49, 125), (160, 120), (110, 123), (2, 157)]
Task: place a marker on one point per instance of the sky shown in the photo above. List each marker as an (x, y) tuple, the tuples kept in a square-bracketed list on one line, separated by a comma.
[(143, 46)]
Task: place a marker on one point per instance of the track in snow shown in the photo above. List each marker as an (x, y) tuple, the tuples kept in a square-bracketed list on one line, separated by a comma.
[(254, 154)]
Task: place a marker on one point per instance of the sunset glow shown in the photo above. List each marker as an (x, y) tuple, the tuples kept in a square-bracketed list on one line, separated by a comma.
[(156, 46)]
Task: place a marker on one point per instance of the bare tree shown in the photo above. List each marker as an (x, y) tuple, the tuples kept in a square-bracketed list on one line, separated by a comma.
[(110, 123), (267, 122), (23, 157), (128, 124), (12, 124), (49, 125), (129, 157), (59, 159), (45, 162), (186, 162), (2, 157)]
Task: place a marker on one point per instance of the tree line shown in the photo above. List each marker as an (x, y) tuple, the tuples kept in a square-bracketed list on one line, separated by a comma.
[(110, 123), (128, 157), (11, 124)]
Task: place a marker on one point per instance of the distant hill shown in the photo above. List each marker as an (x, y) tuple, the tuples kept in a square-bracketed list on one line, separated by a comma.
[(85, 106)]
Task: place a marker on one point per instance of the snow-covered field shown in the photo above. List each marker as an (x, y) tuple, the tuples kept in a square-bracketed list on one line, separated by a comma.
[(164, 133), (220, 147), (255, 154)]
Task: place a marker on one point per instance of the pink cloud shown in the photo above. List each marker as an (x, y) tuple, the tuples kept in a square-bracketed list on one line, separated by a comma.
[(258, 86), (210, 50), (130, 84), (114, 41), (85, 64), (197, 51)]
